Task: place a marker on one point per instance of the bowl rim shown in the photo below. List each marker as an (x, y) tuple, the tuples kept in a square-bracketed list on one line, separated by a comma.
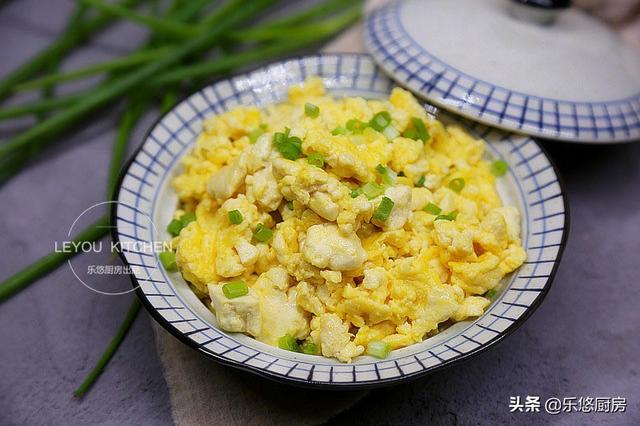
[(307, 383)]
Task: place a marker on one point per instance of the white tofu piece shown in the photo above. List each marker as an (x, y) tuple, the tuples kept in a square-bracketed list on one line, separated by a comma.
[(326, 247), (240, 315)]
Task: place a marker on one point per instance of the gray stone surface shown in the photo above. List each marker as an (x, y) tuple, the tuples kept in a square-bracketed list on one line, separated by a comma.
[(582, 341)]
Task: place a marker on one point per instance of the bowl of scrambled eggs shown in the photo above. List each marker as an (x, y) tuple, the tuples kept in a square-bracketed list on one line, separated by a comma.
[(324, 227)]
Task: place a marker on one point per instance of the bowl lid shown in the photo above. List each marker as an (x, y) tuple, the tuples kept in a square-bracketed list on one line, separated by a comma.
[(530, 66)]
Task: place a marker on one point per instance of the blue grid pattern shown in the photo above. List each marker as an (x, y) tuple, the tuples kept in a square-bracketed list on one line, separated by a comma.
[(413, 66), (531, 175)]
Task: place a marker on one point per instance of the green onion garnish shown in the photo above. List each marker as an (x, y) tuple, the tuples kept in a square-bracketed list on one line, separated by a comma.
[(356, 126), (355, 193), (235, 289), (187, 218), (456, 184), (174, 227), (380, 121), (289, 146), (491, 293), (421, 129), (384, 209), (432, 209), (316, 159), (339, 131), (290, 205), (378, 349), (311, 110), (421, 181), (235, 217), (168, 260), (387, 175), (262, 233), (288, 343), (309, 348), (256, 133), (450, 216), (372, 190), (410, 134), (499, 167)]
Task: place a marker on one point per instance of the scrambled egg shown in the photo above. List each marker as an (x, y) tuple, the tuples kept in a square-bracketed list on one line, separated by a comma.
[(323, 257)]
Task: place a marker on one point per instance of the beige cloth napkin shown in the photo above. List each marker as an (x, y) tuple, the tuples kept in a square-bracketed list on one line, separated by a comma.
[(204, 392)]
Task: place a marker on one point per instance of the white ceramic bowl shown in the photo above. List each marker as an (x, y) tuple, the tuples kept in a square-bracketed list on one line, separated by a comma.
[(145, 198)]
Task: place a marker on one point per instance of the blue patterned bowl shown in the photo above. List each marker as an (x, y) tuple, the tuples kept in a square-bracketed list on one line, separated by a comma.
[(145, 198)]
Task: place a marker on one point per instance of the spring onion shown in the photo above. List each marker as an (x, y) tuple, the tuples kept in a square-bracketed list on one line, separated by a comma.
[(432, 209), (355, 193), (449, 216), (235, 217), (391, 133), (372, 190), (316, 159), (288, 343), (168, 260), (339, 131), (311, 110), (290, 205), (262, 233), (378, 349), (417, 130), (235, 289), (309, 348), (380, 121), (356, 126), (384, 209), (499, 167), (456, 185), (289, 146), (421, 181), (491, 293), (256, 133), (112, 347), (387, 175)]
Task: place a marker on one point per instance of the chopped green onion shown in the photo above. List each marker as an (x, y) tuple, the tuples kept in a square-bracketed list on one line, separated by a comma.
[(356, 126), (499, 167), (288, 343), (235, 289), (410, 134), (491, 293), (289, 146), (168, 260), (380, 121), (256, 133), (378, 349), (339, 131), (421, 181), (177, 225), (432, 209), (290, 205), (316, 159), (388, 176), (391, 133), (355, 193), (450, 216), (309, 348), (174, 227), (372, 190), (235, 217), (456, 184), (384, 209), (421, 129), (262, 233), (311, 110), (187, 218)]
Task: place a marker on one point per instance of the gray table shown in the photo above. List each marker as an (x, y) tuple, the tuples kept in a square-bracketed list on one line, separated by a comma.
[(582, 341)]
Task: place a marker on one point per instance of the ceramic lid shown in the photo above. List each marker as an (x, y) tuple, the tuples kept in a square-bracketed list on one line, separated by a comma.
[(530, 66)]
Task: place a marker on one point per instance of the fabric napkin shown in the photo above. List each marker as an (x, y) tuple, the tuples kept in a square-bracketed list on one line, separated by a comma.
[(204, 392)]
